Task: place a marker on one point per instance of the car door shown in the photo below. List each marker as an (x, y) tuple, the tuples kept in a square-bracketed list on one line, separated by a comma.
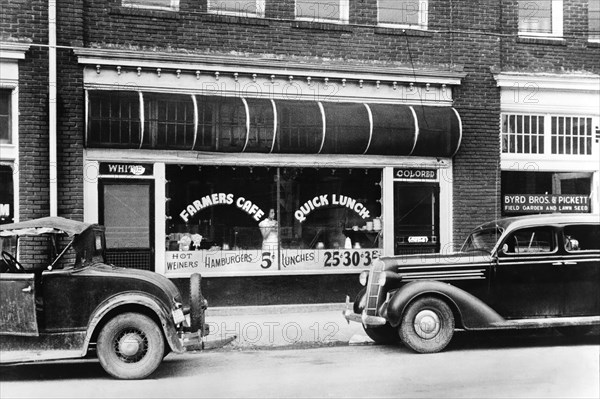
[(527, 280), (581, 266), (17, 305)]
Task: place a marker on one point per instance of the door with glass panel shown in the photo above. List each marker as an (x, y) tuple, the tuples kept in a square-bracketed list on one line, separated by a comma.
[(126, 211), (416, 218)]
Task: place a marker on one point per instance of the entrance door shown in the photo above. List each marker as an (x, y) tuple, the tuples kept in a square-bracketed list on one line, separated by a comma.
[(416, 218), (126, 210)]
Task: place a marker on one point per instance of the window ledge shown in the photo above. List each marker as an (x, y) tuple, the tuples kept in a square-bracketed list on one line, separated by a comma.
[(145, 12), (384, 30), (235, 19), (559, 41), (593, 44), (332, 26)]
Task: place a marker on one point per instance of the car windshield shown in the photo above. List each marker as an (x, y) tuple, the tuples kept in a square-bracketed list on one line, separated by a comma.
[(482, 240)]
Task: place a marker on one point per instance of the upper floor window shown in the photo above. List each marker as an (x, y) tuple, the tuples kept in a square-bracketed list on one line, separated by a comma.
[(5, 116), (547, 134), (245, 8), (405, 13), (594, 20), (541, 17), (322, 10), (170, 5)]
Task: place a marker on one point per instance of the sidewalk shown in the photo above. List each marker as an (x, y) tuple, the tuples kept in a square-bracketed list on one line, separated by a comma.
[(258, 327)]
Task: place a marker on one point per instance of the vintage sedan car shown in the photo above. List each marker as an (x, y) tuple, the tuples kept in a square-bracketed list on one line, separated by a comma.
[(76, 304), (520, 272)]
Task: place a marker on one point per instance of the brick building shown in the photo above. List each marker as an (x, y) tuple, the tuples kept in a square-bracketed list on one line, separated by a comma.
[(370, 127)]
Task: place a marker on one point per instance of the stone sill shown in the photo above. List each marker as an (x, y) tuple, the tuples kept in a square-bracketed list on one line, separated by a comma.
[(145, 12)]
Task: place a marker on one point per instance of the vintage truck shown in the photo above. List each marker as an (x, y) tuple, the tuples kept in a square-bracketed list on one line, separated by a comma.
[(77, 305)]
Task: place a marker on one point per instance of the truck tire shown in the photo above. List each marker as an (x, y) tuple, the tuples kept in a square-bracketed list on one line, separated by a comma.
[(427, 325), (130, 346)]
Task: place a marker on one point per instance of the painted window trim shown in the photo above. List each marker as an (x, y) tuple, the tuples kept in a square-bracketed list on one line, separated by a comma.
[(344, 14), (423, 18), (260, 7), (556, 24)]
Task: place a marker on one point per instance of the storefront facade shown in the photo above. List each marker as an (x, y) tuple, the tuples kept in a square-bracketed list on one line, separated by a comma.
[(550, 143), (350, 165)]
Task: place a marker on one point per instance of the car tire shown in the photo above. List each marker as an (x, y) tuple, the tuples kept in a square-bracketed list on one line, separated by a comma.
[(197, 303), (427, 325), (384, 335), (130, 346)]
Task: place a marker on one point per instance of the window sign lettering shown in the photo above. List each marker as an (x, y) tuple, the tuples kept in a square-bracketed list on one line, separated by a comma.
[(252, 220), (546, 203), (336, 200)]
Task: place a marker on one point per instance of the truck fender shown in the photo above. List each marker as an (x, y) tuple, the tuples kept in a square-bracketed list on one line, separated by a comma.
[(141, 299), (472, 313)]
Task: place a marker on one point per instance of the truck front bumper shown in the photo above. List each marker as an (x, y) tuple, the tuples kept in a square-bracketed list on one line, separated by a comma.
[(363, 318)]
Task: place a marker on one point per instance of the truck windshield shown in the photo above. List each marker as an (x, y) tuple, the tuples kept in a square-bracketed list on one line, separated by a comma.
[(483, 240)]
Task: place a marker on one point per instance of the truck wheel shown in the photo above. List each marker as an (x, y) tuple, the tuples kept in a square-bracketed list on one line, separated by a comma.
[(383, 335), (427, 325), (130, 346), (197, 303)]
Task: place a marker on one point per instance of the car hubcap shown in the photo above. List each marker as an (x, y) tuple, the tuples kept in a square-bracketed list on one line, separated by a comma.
[(427, 324), (131, 346)]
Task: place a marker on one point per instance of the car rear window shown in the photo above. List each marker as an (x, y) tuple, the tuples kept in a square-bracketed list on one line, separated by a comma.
[(582, 237)]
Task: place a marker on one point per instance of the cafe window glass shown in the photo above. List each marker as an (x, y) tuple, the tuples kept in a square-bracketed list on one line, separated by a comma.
[(225, 208)]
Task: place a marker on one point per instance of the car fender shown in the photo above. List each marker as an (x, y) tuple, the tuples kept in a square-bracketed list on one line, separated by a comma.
[(471, 311), (127, 299)]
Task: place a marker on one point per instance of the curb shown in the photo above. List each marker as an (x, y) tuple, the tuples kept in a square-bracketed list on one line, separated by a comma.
[(274, 309)]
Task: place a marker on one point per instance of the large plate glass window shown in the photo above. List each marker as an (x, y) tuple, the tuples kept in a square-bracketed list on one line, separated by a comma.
[(248, 219), (322, 10), (245, 8), (403, 13), (541, 17)]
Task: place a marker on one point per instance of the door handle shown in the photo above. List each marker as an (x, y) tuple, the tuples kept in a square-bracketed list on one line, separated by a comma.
[(557, 263), (28, 289), (569, 262)]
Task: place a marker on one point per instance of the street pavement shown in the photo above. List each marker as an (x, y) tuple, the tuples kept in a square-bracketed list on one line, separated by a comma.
[(258, 327)]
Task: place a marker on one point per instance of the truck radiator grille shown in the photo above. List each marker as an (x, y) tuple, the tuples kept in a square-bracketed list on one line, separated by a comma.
[(373, 289)]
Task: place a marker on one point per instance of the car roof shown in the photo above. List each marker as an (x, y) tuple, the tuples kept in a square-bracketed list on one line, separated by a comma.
[(540, 220), (46, 225)]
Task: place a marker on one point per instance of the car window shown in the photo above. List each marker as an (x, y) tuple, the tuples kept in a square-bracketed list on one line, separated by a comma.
[(531, 240), (581, 237)]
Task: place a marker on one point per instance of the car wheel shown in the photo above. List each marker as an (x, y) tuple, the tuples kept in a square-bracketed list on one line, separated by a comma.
[(130, 346), (384, 335), (427, 325), (574, 331), (197, 303)]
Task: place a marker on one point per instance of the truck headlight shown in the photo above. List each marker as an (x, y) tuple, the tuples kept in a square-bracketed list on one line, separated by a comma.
[(363, 277)]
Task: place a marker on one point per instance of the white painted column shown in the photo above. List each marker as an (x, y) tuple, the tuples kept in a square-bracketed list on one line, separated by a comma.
[(387, 210), (160, 226)]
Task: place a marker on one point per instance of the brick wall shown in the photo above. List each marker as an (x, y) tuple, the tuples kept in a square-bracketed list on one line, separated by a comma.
[(476, 36)]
